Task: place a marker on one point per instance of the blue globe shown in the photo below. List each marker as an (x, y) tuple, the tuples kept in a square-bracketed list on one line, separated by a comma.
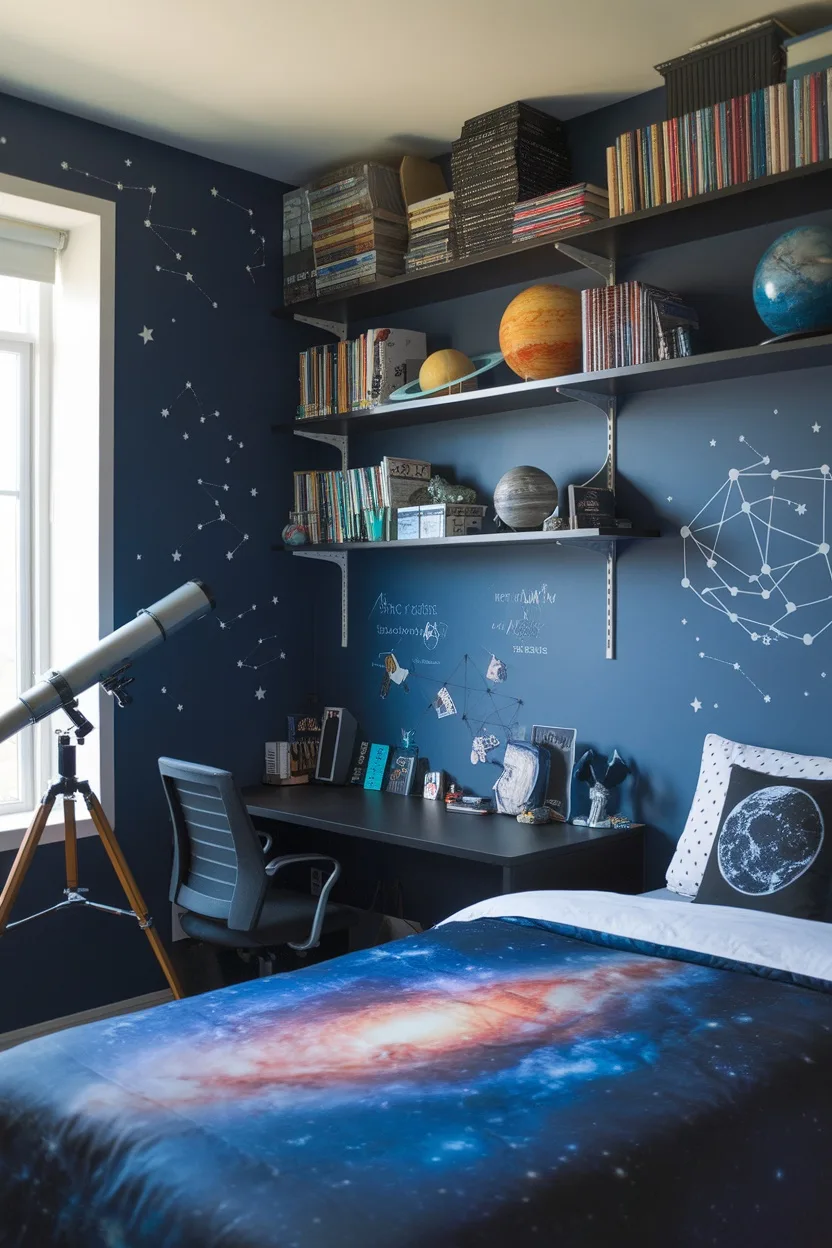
[(793, 281)]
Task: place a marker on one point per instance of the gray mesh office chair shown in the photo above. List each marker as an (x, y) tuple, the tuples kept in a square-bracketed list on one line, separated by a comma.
[(220, 874)]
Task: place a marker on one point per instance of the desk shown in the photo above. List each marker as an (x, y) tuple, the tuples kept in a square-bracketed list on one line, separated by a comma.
[(443, 861)]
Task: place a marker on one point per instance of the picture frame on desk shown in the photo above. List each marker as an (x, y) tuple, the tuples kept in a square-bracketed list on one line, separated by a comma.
[(402, 773)]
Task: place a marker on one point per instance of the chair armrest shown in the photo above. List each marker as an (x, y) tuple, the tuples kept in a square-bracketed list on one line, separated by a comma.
[(287, 860), (266, 840)]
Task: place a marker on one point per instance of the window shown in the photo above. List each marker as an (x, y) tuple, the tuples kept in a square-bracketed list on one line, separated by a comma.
[(25, 345)]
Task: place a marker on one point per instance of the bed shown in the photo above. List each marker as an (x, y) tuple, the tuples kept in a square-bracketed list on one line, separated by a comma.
[(547, 1068)]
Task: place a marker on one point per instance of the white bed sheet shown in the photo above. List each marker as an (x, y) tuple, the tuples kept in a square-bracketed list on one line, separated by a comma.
[(798, 946)]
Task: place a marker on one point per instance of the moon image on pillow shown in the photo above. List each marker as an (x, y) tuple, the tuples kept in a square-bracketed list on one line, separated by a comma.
[(769, 840)]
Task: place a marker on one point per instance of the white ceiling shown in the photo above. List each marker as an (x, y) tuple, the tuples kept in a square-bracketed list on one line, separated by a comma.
[(291, 87)]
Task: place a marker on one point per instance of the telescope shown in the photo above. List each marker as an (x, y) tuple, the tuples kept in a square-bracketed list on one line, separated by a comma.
[(107, 664)]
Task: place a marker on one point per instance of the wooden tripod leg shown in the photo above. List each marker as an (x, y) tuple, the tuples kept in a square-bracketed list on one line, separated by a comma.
[(23, 860), (131, 890), (70, 845)]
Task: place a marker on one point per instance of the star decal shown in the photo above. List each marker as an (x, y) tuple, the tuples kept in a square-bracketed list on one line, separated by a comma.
[(146, 334), (767, 697), (253, 493), (283, 654), (260, 693), (179, 706), (138, 557), (816, 427), (697, 705), (801, 509), (128, 163), (713, 441), (177, 555), (684, 621), (275, 601)]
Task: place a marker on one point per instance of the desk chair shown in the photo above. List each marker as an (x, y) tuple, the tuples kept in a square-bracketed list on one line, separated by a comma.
[(221, 877)]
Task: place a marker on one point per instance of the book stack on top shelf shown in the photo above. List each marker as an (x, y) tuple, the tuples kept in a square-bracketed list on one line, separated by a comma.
[(634, 323), (359, 373), (432, 237), (512, 153), (359, 227), (568, 209)]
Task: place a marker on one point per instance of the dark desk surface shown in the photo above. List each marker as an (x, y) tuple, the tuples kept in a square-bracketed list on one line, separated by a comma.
[(418, 824)]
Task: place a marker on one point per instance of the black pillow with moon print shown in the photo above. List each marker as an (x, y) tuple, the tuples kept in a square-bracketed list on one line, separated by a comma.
[(771, 851)]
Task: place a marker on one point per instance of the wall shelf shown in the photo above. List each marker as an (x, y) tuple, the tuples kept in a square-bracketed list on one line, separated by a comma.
[(756, 361), (774, 198), (592, 539)]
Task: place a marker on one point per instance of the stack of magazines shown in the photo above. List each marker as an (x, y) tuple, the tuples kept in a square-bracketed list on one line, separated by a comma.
[(431, 224), (512, 153), (359, 227), (633, 323), (357, 505), (298, 256), (574, 206), (360, 373)]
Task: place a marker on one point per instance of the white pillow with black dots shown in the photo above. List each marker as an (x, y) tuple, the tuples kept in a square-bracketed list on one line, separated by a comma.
[(684, 875)]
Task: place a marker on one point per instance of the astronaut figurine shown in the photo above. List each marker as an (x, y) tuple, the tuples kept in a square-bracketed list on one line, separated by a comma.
[(601, 778)]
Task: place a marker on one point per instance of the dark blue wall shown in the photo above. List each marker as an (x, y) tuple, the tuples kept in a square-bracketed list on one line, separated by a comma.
[(642, 702), (239, 361)]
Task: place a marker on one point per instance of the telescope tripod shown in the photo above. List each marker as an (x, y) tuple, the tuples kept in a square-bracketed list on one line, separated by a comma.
[(68, 786)]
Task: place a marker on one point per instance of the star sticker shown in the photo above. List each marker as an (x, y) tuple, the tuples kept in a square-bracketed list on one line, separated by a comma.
[(3, 138), (713, 441), (138, 557), (816, 427), (177, 555), (736, 667), (145, 334), (179, 706), (697, 705), (189, 277), (229, 554), (64, 164), (164, 688), (684, 621), (214, 192), (147, 223), (253, 493), (716, 706), (766, 697), (670, 498), (128, 163), (283, 654), (275, 601), (260, 693), (222, 625), (188, 386), (185, 437), (178, 255), (239, 662), (202, 420), (152, 190), (805, 693), (801, 509), (226, 487)]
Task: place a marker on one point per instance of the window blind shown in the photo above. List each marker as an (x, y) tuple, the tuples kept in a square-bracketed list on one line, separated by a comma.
[(29, 251)]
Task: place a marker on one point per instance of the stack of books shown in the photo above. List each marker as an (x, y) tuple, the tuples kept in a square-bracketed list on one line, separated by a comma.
[(359, 227), (431, 225), (560, 210), (633, 323), (298, 255), (811, 102), (512, 153), (359, 373), (357, 505)]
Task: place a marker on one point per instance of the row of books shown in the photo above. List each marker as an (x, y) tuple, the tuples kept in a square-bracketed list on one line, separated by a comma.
[(359, 226), (577, 205), (633, 323), (767, 131), (357, 505), (358, 373), (293, 761), (432, 237)]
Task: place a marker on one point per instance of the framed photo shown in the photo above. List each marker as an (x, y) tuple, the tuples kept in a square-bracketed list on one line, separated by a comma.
[(402, 770)]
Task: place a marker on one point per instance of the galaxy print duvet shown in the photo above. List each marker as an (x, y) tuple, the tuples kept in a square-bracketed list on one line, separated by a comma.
[(549, 1069)]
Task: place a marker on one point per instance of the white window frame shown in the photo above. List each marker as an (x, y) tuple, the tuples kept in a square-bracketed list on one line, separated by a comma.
[(77, 370)]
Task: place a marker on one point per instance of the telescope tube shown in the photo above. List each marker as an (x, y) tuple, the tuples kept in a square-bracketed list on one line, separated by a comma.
[(152, 625)]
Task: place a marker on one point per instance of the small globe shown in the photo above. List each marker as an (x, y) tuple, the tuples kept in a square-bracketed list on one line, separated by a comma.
[(524, 497), (540, 333), (295, 534), (443, 368), (793, 282)]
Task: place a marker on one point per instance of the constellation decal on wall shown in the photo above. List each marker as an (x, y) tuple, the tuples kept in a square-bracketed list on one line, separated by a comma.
[(225, 624), (158, 229), (763, 576), (735, 667), (172, 699), (258, 259), (253, 653)]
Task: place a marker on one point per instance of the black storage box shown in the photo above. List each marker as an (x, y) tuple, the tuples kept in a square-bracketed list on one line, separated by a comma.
[(724, 68)]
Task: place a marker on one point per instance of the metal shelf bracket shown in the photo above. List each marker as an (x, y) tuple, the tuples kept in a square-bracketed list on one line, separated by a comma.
[(339, 440), (338, 328), (601, 265), (339, 558)]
